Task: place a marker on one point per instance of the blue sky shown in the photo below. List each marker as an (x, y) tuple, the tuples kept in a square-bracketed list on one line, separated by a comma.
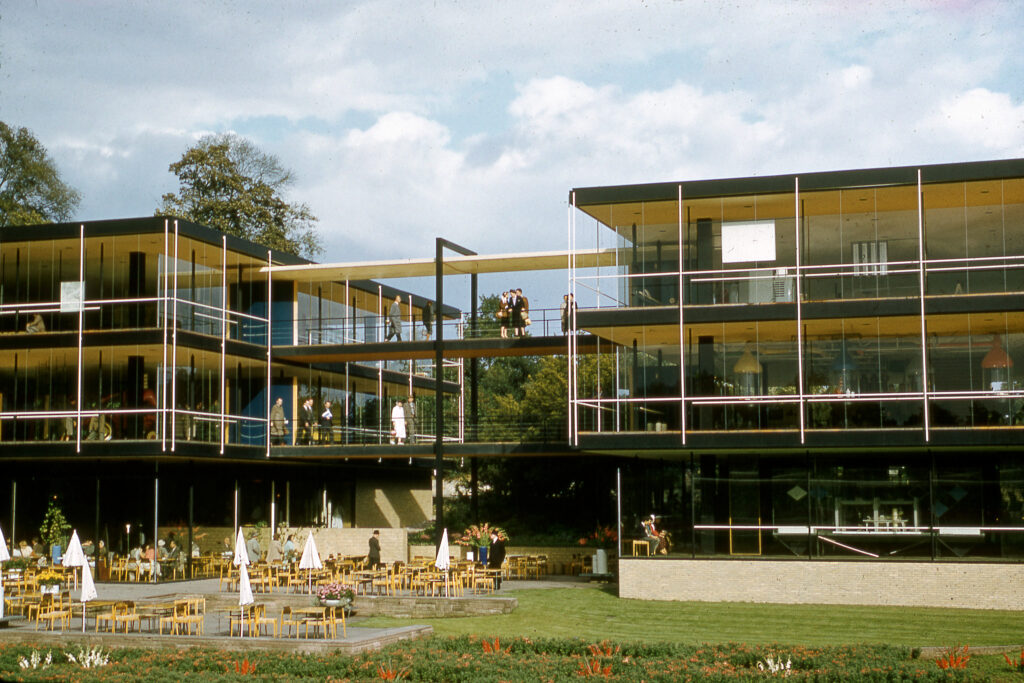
[(473, 120)]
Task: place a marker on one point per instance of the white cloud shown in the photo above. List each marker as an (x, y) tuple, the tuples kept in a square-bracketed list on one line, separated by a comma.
[(982, 118)]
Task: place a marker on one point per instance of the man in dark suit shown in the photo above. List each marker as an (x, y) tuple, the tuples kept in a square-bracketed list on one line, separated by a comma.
[(496, 556), (306, 419), (373, 557)]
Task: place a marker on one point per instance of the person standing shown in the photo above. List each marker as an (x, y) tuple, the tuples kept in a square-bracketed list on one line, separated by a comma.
[(564, 310), (503, 314), (519, 313), (373, 557), (395, 319), (496, 557), (326, 427), (410, 418), (306, 419), (428, 319), (278, 423), (398, 423)]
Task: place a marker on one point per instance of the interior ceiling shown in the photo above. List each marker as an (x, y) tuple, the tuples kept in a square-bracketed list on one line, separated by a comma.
[(660, 219)]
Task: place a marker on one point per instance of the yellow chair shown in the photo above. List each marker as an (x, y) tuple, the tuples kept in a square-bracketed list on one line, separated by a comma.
[(260, 618), (287, 620), (641, 548), (334, 615), (127, 615), (243, 618)]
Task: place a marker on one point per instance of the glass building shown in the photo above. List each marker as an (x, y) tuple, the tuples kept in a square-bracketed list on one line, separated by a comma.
[(815, 365), (140, 362)]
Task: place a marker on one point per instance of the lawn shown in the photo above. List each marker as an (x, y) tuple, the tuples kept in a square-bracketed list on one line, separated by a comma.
[(595, 613)]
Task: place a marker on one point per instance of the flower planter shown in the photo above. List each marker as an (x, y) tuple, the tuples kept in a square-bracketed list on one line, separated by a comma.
[(600, 561), (53, 589), (482, 554)]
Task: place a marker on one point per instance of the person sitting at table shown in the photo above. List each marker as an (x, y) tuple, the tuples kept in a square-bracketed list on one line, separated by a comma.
[(161, 549), (289, 547), (35, 325), (88, 547), (227, 548), (24, 549), (37, 548), (253, 548)]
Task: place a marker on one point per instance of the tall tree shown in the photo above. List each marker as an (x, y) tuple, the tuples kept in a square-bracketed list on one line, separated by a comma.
[(227, 183), (31, 190)]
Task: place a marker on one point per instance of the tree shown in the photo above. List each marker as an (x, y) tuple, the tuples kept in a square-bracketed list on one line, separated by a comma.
[(228, 184), (31, 190)]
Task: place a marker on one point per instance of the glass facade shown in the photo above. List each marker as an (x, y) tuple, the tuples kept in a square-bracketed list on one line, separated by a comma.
[(841, 346)]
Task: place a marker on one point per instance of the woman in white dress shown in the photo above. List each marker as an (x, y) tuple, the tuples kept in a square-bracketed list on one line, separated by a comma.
[(398, 423)]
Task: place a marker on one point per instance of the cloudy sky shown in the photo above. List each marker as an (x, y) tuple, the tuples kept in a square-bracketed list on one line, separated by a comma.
[(472, 120)]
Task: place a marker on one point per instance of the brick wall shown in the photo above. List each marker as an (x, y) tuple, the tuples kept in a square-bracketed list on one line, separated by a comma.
[(919, 584)]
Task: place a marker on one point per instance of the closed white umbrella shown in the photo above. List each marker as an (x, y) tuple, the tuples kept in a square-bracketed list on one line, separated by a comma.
[(88, 590), (442, 562), (75, 556), (241, 554), (240, 560), (4, 556), (310, 558)]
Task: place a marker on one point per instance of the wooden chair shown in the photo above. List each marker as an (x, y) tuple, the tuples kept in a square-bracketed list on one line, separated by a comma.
[(108, 616), (260, 618), (179, 617), (287, 620), (334, 615), (318, 622), (127, 615), (243, 618), (196, 614)]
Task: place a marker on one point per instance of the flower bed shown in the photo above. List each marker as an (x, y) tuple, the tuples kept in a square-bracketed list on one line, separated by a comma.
[(471, 658)]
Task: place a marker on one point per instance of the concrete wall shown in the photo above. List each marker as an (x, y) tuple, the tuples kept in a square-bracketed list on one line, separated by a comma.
[(392, 503), (972, 585)]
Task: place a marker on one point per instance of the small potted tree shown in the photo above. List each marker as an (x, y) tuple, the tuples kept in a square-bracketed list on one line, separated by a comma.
[(55, 528)]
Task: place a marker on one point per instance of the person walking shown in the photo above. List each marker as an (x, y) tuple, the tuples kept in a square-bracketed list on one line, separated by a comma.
[(278, 422), (395, 319), (428, 320), (373, 557)]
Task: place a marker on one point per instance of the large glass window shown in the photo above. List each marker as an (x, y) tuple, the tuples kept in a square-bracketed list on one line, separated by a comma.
[(860, 243), (740, 250), (973, 241)]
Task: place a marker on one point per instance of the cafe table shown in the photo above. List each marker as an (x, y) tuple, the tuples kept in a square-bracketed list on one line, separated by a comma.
[(316, 615)]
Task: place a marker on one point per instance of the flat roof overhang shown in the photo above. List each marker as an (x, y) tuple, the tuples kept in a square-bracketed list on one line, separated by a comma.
[(453, 265), (425, 350), (824, 180)]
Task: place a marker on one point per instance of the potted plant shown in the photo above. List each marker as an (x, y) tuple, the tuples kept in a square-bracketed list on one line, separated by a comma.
[(601, 538), (479, 536), (49, 582), (335, 595)]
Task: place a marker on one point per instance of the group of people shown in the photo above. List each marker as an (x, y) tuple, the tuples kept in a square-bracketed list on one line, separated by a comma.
[(513, 313), (658, 539), (394, 320), (307, 420)]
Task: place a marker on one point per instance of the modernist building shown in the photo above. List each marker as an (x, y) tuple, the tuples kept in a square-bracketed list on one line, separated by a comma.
[(139, 369), (815, 365)]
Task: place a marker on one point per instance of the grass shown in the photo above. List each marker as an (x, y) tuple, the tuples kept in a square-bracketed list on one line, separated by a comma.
[(594, 613)]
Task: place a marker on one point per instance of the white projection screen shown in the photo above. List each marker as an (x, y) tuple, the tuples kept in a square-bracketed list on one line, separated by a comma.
[(747, 241)]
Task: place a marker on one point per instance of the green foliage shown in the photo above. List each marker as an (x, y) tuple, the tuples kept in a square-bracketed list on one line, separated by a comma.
[(31, 190), (472, 658), (55, 527), (228, 184)]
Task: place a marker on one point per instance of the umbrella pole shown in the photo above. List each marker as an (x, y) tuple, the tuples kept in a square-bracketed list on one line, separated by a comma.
[(83, 619)]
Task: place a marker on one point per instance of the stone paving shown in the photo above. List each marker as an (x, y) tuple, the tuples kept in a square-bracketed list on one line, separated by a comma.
[(216, 623)]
